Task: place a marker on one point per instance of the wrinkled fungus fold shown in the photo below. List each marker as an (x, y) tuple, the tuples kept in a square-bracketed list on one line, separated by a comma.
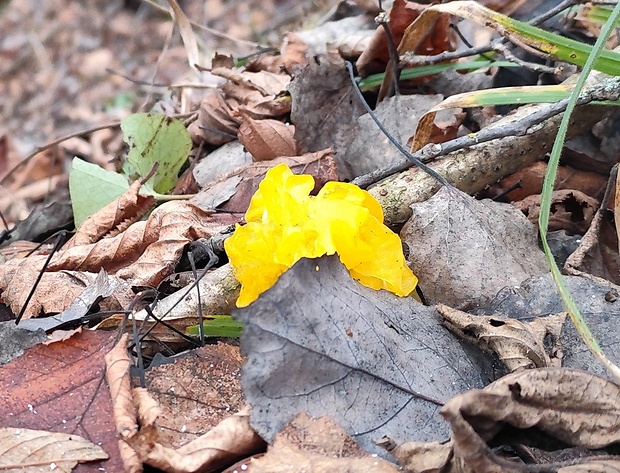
[(285, 223)]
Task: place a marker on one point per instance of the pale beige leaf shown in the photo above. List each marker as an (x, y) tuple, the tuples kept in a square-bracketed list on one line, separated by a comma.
[(34, 451)]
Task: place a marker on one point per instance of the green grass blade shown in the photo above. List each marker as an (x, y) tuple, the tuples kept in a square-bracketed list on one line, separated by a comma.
[(564, 49), (545, 204), (218, 326), (375, 80)]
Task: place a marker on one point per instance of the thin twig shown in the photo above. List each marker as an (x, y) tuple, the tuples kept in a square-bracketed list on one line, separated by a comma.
[(413, 160)]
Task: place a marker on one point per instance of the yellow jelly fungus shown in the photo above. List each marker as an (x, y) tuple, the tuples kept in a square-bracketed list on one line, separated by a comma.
[(285, 224)]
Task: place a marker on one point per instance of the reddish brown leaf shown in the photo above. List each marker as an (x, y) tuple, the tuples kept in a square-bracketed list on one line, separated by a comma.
[(267, 139), (375, 58), (60, 388), (529, 181)]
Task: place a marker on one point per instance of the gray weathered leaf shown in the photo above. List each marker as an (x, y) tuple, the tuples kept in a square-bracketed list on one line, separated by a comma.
[(464, 250), (379, 365)]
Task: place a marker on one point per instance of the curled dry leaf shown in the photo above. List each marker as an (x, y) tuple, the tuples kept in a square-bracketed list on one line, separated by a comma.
[(144, 254), (520, 345), (597, 254), (125, 414), (117, 374), (267, 139), (420, 457), (556, 404), (376, 56), (18, 276)]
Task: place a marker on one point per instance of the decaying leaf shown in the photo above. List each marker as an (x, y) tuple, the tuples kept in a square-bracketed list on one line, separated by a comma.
[(124, 410), (529, 180), (571, 210), (146, 252), (231, 439), (114, 218), (189, 409), (520, 345), (26, 450), (307, 444), (157, 435), (158, 145), (464, 250), (597, 255), (377, 364), (370, 149), (18, 276), (102, 287)]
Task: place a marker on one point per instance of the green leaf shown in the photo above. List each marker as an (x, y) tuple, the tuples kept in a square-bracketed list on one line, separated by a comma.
[(92, 188), (156, 138), (218, 326)]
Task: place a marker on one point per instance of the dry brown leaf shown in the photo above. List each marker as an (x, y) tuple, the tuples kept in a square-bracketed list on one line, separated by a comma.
[(146, 252), (215, 124), (231, 439), (117, 373), (317, 445), (520, 345), (555, 405), (267, 139), (114, 218), (32, 451), (250, 93), (571, 210), (420, 457)]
